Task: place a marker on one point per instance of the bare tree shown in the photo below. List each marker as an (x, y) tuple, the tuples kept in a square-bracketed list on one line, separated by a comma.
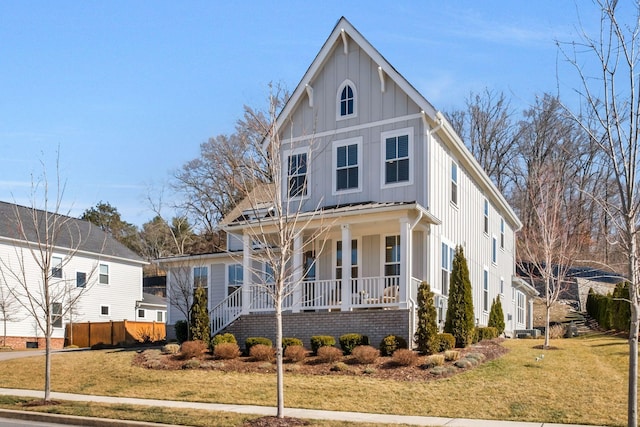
[(9, 310), (611, 100), (34, 273), (275, 221)]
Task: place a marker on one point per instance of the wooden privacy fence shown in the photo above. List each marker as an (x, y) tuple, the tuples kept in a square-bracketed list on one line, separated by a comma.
[(113, 333)]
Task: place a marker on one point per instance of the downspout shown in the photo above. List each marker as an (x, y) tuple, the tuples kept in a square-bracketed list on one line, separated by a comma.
[(412, 302)]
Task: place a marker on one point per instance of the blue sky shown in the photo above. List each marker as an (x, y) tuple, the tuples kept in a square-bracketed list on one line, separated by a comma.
[(128, 90)]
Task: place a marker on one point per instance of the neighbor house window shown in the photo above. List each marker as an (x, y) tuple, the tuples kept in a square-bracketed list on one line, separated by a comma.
[(81, 279), (104, 310), (141, 313), (56, 315), (486, 216), (235, 273), (346, 100), (397, 146), (56, 267), (104, 274), (454, 183), (346, 158), (485, 291), (392, 256), (160, 316), (297, 174), (200, 277), (446, 265), (501, 233)]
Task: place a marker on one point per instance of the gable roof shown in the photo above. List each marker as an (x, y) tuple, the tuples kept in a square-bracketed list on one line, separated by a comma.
[(437, 121), (74, 233)]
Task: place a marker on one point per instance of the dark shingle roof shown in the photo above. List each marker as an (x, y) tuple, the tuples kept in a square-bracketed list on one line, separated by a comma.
[(72, 232)]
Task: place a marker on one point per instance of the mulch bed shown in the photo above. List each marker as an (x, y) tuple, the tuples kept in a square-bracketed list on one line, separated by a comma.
[(383, 368)]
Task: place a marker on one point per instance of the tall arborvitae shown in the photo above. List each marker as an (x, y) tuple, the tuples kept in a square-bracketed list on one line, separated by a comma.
[(460, 320), (427, 329), (496, 316), (199, 325)]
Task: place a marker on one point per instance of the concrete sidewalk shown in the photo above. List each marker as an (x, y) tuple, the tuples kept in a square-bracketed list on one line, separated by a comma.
[(310, 414)]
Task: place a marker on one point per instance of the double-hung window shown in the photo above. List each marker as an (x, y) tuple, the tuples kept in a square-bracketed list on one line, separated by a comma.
[(447, 265), (501, 233), (494, 250), (347, 156), (354, 259), (485, 290), (56, 267), (392, 256), (103, 271), (56, 315), (235, 277), (454, 183), (297, 174), (486, 216), (398, 147), (81, 279)]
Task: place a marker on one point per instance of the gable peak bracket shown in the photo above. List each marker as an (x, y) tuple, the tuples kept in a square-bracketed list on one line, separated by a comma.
[(381, 75), (309, 90), (345, 42)]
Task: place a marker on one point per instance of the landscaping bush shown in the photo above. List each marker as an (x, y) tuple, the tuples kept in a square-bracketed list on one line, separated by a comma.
[(446, 342), (226, 350), (327, 354), (350, 341), (391, 343), (476, 356), (200, 325), (451, 355), (251, 341), (485, 333), (190, 349), (295, 353), (171, 348), (182, 330), (318, 341), (262, 353), (340, 366), (556, 331), (365, 354), (433, 361), (464, 363), (223, 338), (286, 342), (404, 357), (427, 327), (460, 319), (496, 316), (191, 364)]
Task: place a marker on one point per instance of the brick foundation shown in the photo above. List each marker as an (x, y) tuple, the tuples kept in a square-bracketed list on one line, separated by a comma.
[(18, 343), (374, 323)]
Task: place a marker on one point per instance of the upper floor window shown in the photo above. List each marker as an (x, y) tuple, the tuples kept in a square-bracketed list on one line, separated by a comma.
[(494, 250), (501, 233), (56, 267), (81, 279), (103, 274), (346, 100), (447, 266), (348, 170), (454, 183), (486, 216), (297, 174), (398, 148)]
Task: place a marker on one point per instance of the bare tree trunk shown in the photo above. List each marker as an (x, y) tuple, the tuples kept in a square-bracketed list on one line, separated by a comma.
[(548, 302), (47, 368), (279, 360)]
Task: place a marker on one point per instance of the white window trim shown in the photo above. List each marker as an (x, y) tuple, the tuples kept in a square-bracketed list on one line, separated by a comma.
[(457, 182), (162, 316), (450, 246), (501, 286), (61, 258), (383, 260), (494, 250), (359, 256), (355, 101), (334, 165), (390, 134), (86, 279), (227, 284), (485, 217), (108, 274), (144, 312), (108, 309), (502, 234), (285, 172), (486, 286), (193, 276)]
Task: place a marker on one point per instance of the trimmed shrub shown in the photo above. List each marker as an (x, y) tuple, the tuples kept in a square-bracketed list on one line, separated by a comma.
[(318, 341), (171, 349), (286, 342), (295, 353), (262, 353), (190, 349), (451, 355), (329, 354), (556, 331), (369, 370), (191, 364), (226, 350), (480, 357), (391, 343), (223, 338), (486, 333), (460, 320), (438, 370), (446, 342), (464, 363), (350, 341), (427, 327), (433, 361), (340, 366), (251, 341), (182, 330), (404, 357), (365, 354), (496, 316), (200, 325)]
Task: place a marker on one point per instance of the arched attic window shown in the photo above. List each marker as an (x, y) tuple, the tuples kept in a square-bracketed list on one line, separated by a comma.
[(347, 100)]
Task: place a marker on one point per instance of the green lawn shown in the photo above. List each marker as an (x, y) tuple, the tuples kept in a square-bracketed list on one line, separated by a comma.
[(583, 382)]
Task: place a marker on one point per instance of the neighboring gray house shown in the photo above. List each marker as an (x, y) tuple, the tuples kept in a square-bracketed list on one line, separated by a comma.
[(152, 308), (109, 271), (401, 190)]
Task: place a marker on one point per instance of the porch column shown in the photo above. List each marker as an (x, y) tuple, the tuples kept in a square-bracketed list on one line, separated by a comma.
[(346, 268), (530, 313), (246, 273), (405, 261), (297, 274)]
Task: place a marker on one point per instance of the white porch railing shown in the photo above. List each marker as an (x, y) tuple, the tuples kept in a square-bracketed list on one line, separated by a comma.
[(375, 292), (226, 311)]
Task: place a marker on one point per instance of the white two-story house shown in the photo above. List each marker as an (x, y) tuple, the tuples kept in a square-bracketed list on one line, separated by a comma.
[(399, 189), (85, 261)]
